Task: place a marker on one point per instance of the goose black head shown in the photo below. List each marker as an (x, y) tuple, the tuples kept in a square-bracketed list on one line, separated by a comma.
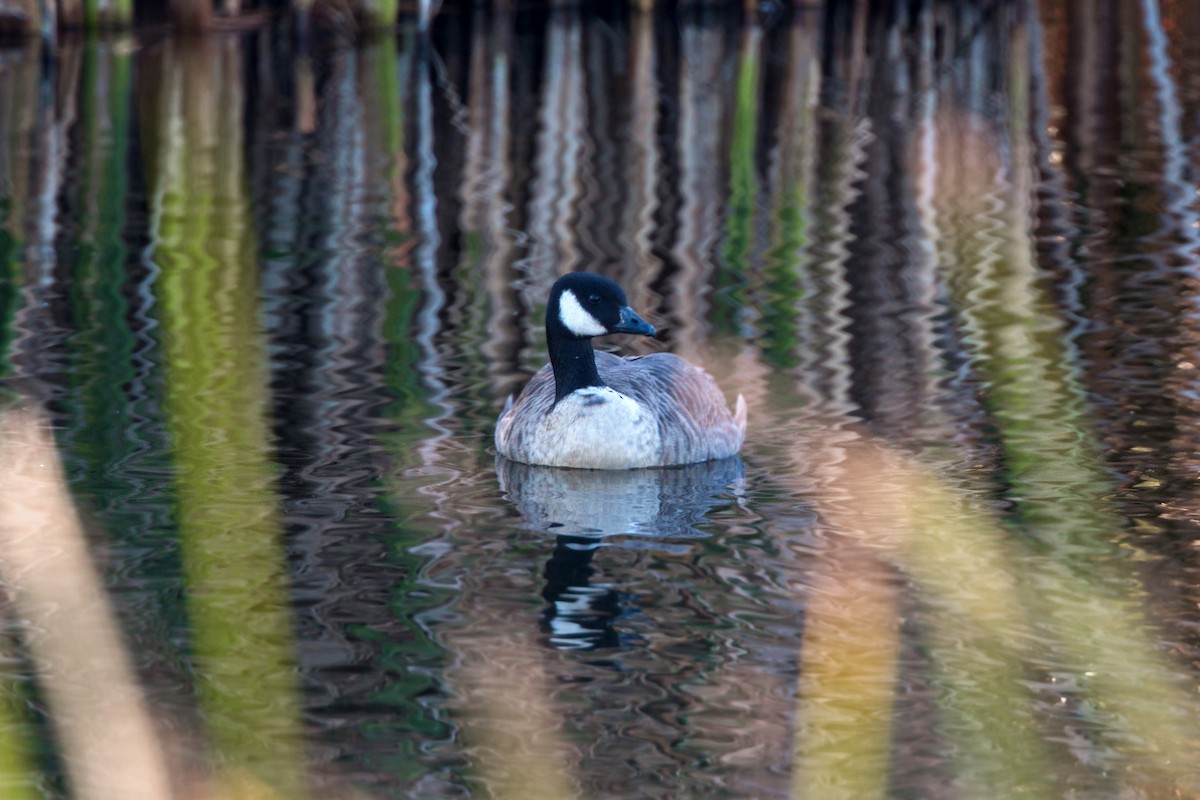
[(583, 305)]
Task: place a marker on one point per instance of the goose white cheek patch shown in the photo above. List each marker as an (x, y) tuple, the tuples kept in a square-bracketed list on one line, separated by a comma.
[(576, 319)]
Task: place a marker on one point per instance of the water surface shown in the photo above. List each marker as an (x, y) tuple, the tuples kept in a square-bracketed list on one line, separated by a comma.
[(273, 301)]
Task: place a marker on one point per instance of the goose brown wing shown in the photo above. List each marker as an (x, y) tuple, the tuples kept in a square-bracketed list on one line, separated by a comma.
[(693, 417)]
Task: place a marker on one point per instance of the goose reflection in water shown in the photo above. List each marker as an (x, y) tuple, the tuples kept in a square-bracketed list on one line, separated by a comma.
[(588, 510)]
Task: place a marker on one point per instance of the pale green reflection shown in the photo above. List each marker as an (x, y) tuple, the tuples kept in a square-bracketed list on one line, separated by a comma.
[(217, 404)]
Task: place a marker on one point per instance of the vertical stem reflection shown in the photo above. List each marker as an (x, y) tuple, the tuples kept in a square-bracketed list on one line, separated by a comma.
[(847, 679), (217, 407)]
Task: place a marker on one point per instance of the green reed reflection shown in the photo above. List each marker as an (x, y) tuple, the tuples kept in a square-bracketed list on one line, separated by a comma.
[(791, 221), (737, 254), (104, 344), (410, 655), (217, 405)]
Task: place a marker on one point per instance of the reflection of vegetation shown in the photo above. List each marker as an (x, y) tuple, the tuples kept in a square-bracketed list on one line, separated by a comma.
[(18, 90), (384, 95), (217, 406), (407, 652), (10, 266), (411, 655), (791, 210), (784, 291), (994, 605), (27, 15), (738, 253), (104, 344), (378, 13), (1073, 581), (107, 12)]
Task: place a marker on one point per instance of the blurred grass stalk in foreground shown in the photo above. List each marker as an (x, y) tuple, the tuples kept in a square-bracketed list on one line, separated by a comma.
[(108, 744), (510, 728), (847, 679), (889, 520)]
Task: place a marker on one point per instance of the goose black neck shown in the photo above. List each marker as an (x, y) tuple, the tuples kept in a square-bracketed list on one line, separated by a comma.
[(573, 362)]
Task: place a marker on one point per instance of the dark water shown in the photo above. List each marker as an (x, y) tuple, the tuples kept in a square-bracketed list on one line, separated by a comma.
[(273, 302)]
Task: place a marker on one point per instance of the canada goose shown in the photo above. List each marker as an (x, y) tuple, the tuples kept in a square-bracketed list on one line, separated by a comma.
[(600, 411)]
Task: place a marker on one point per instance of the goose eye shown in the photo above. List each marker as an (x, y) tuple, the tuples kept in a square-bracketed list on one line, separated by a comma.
[(593, 298)]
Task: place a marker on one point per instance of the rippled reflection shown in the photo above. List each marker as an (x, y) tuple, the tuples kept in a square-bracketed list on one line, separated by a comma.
[(589, 509), (273, 300), (646, 502)]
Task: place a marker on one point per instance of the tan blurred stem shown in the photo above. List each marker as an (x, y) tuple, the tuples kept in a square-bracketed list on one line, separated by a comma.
[(847, 678), (108, 741), (510, 727), (955, 557)]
